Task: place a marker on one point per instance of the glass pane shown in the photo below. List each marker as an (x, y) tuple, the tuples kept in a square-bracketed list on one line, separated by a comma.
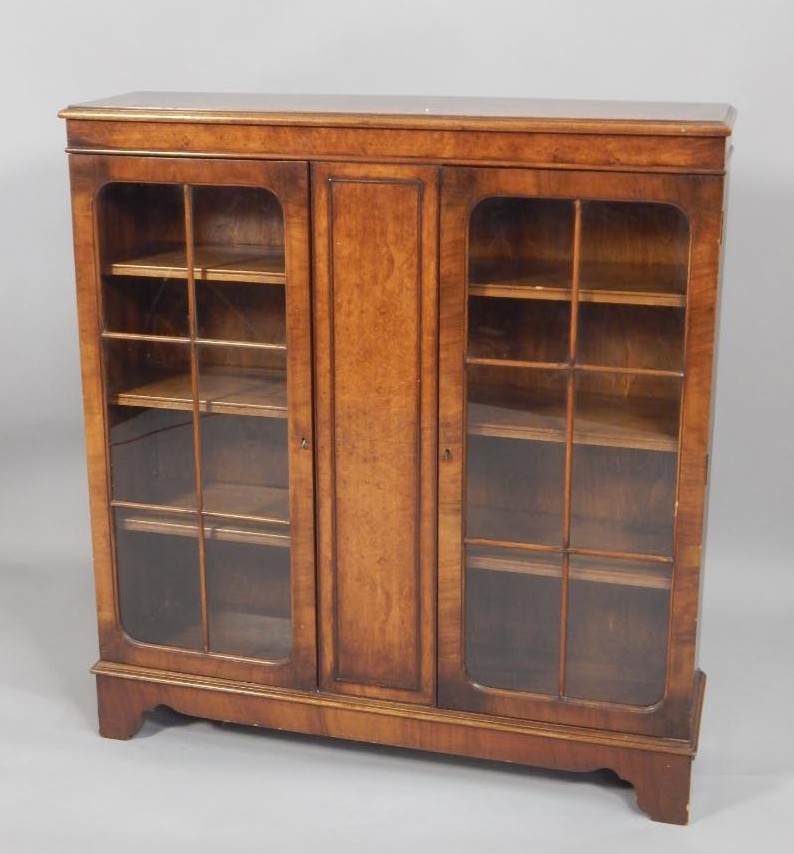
[(623, 500), (143, 230), (521, 245), (627, 411), (240, 311), (241, 297), (146, 306), (245, 466), (516, 454), (618, 615), (151, 456), (157, 567), (148, 373), (512, 619), (518, 329), (142, 243), (238, 236), (243, 380), (625, 462), (631, 336), (248, 590), (634, 252), (150, 423)]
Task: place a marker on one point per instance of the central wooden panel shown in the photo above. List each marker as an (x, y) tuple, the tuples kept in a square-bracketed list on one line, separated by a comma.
[(375, 231)]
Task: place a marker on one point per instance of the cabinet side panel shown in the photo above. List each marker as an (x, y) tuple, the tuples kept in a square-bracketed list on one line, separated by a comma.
[(377, 604)]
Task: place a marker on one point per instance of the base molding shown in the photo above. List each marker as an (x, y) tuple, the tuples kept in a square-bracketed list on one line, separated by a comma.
[(658, 769)]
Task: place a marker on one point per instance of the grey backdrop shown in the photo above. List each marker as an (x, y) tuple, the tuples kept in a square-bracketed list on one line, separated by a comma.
[(200, 786)]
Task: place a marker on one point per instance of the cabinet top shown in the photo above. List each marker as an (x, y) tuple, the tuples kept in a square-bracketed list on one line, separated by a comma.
[(415, 111)]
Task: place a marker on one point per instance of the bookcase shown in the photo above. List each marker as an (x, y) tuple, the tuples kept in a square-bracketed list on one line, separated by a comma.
[(398, 418)]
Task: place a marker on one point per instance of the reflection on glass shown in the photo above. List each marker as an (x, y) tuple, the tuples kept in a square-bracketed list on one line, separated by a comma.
[(151, 456)]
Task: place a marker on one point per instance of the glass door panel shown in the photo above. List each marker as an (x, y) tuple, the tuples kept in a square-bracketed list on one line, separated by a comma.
[(575, 343), (238, 235), (520, 270), (194, 307)]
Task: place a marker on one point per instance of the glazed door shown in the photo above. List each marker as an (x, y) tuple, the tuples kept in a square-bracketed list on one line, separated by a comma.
[(573, 402), (195, 275)]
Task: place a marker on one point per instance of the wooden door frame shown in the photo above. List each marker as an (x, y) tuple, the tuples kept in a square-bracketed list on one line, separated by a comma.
[(288, 181), (700, 198)]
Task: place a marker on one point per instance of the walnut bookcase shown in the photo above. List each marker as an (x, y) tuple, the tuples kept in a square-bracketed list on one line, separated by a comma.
[(398, 418)]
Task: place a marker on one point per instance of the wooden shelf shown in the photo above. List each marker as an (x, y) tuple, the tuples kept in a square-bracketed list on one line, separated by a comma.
[(237, 391), (495, 527), (626, 284), (633, 284), (186, 525), (629, 573), (264, 503), (255, 264), (640, 423), (237, 633)]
